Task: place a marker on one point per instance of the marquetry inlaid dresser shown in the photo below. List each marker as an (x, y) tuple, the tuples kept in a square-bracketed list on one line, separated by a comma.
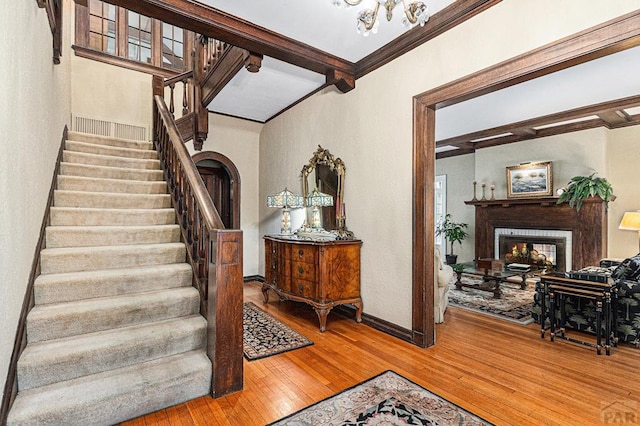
[(322, 274)]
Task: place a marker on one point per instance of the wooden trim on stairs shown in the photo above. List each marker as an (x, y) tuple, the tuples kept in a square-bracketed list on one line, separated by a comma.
[(11, 384)]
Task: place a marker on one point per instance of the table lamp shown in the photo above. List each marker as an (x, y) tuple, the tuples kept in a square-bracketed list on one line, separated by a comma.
[(285, 200), (318, 199), (631, 222)]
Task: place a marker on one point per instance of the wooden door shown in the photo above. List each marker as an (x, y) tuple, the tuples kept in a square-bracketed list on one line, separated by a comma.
[(218, 183)]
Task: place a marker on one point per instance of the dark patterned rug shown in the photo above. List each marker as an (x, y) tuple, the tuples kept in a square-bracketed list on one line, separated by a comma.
[(387, 399), (515, 304), (265, 335)]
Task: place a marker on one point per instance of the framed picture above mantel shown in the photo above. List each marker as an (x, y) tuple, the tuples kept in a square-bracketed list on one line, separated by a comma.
[(530, 180)]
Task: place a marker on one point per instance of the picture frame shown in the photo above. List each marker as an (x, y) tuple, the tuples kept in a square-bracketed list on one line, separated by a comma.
[(530, 180)]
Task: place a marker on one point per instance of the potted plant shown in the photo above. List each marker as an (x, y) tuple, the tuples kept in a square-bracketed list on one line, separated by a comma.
[(453, 232), (582, 187)]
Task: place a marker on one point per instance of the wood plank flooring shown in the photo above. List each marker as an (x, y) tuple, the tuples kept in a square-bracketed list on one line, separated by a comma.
[(500, 371)]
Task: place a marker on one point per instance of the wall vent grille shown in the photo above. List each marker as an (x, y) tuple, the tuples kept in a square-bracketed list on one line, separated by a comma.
[(109, 128)]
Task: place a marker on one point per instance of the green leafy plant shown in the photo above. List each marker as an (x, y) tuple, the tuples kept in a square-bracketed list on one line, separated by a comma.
[(458, 267), (454, 232), (582, 187)]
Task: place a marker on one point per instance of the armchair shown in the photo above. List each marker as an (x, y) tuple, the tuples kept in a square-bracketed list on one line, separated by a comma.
[(444, 274)]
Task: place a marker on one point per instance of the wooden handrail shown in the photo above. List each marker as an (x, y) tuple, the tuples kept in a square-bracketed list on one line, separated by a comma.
[(215, 254), (179, 78), (209, 214)]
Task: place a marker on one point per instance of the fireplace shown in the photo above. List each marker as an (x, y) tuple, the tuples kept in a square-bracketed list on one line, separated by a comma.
[(544, 248), (587, 228)]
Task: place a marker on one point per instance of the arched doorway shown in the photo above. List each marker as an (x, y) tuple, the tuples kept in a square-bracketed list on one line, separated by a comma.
[(222, 180)]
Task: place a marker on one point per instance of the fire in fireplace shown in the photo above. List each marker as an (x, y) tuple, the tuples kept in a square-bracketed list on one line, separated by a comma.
[(550, 249)]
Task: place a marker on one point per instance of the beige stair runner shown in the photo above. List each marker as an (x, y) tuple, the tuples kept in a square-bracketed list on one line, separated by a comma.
[(115, 332)]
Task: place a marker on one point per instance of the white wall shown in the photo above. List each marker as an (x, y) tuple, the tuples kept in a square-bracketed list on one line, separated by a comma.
[(35, 108), (460, 173), (572, 154), (370, 128), (239, 141)]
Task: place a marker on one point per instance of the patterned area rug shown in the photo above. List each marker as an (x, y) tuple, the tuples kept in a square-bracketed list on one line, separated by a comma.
[(265, 335), (387, 399), (515, 304)]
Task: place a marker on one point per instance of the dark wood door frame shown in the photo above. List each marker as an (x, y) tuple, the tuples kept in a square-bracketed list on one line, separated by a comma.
[(235, 180), (610, 37)]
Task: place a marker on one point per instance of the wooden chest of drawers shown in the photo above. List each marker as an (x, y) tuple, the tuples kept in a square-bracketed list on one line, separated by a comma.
[(323, 274)]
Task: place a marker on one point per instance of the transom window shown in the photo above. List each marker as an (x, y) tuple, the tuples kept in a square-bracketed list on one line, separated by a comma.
[(102, 26), (116, 35), (139, 37)]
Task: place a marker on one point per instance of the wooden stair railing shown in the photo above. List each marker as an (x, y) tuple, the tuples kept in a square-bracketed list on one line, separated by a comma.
[(215, 64), (214, 253)]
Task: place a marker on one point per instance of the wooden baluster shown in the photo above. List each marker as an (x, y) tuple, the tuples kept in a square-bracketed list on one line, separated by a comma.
[(185, 103), (171, 104)]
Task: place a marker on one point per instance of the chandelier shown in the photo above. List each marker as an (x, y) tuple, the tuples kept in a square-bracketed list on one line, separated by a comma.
[(367, 20)]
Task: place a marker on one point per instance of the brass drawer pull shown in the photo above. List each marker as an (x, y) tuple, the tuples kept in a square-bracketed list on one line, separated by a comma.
[(300, 270), (300, 253), (301, 288)]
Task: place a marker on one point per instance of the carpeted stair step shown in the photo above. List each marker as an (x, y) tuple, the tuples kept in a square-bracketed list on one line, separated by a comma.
[(47, 322), (104, 140), (91, 148), (89, 236), (93, 171), (108, 200), (70, 286), (70, 216), (117, 395), (68, 358), (109, 161), (81, 183), (75, 259)]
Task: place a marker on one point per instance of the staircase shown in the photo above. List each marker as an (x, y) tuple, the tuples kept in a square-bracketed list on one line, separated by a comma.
[(115, 331)]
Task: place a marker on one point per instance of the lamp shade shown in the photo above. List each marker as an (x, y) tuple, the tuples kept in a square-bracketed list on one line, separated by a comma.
[(630, 221), (286, 199), (319, 199)]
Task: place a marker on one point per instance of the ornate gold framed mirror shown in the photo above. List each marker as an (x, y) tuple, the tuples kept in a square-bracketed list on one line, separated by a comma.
[(326, 173)]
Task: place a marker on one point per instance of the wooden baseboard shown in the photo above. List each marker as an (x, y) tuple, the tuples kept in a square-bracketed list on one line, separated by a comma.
[(349, 311), (377, 323), (11, 384)]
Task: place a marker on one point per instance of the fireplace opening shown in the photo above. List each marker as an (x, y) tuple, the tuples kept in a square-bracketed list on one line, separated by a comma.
[(549, 249), (541, 252)]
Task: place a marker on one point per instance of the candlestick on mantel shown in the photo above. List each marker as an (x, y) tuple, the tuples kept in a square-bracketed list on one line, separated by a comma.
[(483, 197), (492, 188), (474, 191)]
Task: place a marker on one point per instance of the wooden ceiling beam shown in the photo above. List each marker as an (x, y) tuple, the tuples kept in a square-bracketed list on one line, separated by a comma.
[(217, 24), (609, 114), (613, 117), (452, 15)]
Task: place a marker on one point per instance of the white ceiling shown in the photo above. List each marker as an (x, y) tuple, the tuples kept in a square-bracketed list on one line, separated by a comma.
[(317, 23), (332, 29)]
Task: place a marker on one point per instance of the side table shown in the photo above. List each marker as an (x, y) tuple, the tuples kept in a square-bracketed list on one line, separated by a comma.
[(554, 288)]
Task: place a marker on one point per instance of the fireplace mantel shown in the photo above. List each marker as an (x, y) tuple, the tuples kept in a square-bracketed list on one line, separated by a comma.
[(589, 225)]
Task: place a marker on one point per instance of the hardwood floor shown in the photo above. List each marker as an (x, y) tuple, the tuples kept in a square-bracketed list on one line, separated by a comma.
[(500, 371)]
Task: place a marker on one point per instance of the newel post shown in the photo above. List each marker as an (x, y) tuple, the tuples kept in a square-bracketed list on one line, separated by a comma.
[(224, 311)]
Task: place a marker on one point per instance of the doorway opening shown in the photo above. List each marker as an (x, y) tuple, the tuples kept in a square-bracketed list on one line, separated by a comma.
[(222, 180)]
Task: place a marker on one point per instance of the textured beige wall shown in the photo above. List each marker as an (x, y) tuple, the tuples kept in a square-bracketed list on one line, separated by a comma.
[(110, 93), (238, 140), (371, 129), (623, 161), (34, 108)]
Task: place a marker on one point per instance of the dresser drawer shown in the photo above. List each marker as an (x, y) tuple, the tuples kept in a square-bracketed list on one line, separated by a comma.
[(303, 253), (303, 271), (303, 288)]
